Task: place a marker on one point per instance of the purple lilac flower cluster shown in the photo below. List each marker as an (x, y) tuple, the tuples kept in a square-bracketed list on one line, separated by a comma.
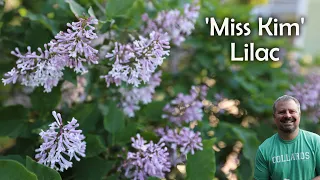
[(176, 24), (136, 62), (180, 142), (130, 99), (68, 49), (149, 160), (61, 143), (186, 108), (308, 94)]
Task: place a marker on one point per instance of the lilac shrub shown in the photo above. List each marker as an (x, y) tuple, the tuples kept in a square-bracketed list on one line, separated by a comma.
[(308, 94), (186, 108), (130, 99), (149, 160), (135, 62), (61, 143), (68, 49), (176, 24)]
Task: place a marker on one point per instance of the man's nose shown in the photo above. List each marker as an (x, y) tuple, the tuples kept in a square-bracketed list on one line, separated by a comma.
[(287, 114)]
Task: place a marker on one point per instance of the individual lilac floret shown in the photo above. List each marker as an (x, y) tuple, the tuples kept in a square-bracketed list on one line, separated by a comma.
[(76, 44), (45, 67), (136, 62), (178, 25), (180, 142), (130, 99), (149, 160), (186, 108), (61, 143)]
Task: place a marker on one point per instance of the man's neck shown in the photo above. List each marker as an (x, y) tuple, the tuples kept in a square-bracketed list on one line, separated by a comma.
[(288, 136)]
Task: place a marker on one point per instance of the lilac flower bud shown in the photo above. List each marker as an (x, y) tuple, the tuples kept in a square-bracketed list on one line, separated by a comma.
[(149, 160), (136, 62), (59, 143), (176, 24), (185, 108), (130, 99)]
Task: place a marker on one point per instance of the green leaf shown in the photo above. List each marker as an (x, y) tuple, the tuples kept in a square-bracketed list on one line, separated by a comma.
[(91, 12), (76, 8), (13, 121), (13, 170), (153, 178), (48, 23), (42, 172), (98, 168), (45, 102), (114, 120), (152, 110), (202, 165), (95, 145), (17, 158), (87, 115), (125, 134), (70, 75), (118, 8)]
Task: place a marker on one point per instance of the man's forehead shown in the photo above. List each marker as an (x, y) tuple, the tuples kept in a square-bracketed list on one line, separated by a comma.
[(286, 104)]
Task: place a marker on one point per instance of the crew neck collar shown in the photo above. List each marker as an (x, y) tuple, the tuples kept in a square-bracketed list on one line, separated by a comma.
[(290, 141)]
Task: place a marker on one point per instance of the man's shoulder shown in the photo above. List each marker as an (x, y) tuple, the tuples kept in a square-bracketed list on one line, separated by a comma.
[(309, 134), (268, 142)]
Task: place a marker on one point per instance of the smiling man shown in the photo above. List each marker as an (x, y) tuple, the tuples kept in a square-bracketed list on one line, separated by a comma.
[(292, 153)]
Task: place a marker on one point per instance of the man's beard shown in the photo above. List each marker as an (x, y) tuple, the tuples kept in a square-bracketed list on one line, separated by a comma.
[(287, 129)]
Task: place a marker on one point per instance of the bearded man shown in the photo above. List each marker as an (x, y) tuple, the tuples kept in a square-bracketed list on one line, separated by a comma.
[(292, 153)]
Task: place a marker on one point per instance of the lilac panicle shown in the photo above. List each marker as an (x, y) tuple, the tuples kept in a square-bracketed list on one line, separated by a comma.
[(149, 160), (61, 143), (185, 141), (178, 25), (130, 99), (180, 143), (136, 62), (45, 67), (76, 44), (186, 108), (308, 94)]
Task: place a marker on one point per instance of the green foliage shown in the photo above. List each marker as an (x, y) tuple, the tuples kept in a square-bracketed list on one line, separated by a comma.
[(95, 145), (114, 120), (83, 169), (202, 165), (12, 170), (108, 132), (76, 8), (45, 102), (14, 121), (42, 172), (118, 8)]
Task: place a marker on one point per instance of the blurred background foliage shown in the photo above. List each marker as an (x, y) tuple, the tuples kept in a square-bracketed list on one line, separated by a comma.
[(238, 123)]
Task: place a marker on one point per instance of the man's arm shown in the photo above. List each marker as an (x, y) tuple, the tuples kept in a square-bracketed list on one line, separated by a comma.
[(316, 178), (261, 171)]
